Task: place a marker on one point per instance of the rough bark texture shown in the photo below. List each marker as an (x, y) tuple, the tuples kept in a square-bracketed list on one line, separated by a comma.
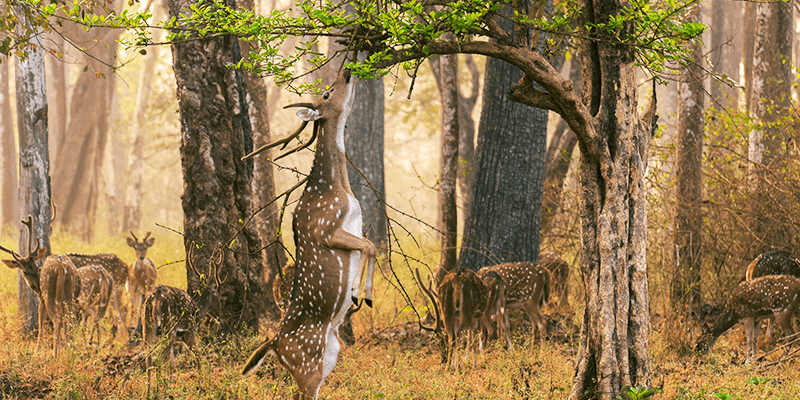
[(78, 163), (448, 162), (274, 256), (34, 167), (770, 102), (8, 153), (215, 135), (614, 335), (688, 174), (363, 138), (132, 214), (502, 223)]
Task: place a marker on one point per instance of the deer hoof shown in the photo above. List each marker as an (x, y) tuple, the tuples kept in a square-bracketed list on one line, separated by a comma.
[(355, 300), (369, 302)]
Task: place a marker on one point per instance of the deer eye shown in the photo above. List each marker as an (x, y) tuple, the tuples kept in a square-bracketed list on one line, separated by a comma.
[(326, 95)]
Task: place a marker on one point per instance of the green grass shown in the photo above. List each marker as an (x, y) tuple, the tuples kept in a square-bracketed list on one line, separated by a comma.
[(391, 360)]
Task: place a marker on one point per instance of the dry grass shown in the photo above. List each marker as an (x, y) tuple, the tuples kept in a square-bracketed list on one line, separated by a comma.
[(392, 358)]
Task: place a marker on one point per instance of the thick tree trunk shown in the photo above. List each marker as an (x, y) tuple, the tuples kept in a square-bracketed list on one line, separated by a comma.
[(448, 214), (8, 151), (748, 43), (502, 223), (363, 138), (614, 344), (132, 214), (215, 135), (58, 111), (274, 256), (689, 188), (34, 162)]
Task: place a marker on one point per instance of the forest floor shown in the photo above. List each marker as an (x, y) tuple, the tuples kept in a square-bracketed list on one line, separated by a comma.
[(391, 359)]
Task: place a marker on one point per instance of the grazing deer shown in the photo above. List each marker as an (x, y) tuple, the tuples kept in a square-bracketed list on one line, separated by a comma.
[(118, 269), (141, 273), (496, 307), (527, 287), (773, 262), (559, 270), (331, 252), (56, 284), (97, 287), (771, 296), (172, 314)]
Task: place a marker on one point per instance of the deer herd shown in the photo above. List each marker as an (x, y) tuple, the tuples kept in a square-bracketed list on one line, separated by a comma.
[(322, 288)]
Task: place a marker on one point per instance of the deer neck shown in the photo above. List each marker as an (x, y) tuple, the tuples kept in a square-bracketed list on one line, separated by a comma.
[(330, 164)]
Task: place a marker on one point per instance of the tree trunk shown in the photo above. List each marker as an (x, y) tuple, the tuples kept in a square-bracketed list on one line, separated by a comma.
[(215, 135), (132, 214), (614, 345), (502, 223), (689, 188), (57, 98), (364, 143), (76, 180), (770, 102), (748, 42), (274, 256), (448, 214), (117, 155), (720, 45), (34, 162), (8, 151)]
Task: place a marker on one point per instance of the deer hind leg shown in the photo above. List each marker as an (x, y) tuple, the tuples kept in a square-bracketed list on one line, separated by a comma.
[(751, 333), (537, 321), (343, 240)]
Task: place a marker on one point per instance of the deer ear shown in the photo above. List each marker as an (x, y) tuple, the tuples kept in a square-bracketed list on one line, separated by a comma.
[(150, 241), (131, 243), (308, 114), (42, 253), (11, 263)]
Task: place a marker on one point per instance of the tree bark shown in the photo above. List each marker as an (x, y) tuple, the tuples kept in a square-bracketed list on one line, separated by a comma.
[(57, 98), (132, 214), (502, 223), (363, 138), (8, 152), (215, 135), (34, 162), (267, 225), (689, 178), (448, 214), (748, 43), (770, 102)]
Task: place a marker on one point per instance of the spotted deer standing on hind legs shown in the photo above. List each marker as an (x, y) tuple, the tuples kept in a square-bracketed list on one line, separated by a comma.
[(331, 252), (56, 284)]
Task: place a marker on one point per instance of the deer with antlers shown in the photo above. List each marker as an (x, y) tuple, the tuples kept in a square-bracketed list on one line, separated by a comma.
[(771, 296), (172, 314), (56, 284), (141, 272), (97, 287), (332, 254), (527, 287)]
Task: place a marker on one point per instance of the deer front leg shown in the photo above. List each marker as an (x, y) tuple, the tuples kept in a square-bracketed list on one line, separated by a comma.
[(344, 240), (751, 333)]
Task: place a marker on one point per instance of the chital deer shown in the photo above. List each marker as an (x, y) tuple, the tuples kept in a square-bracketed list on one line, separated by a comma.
[(97, 287), (771, 296), (462, 299), (773, 262), (559, 270), (142, 272), (496, 307), (527, 287), (56, 283), (172, 314), (118, 269), (331, 252)]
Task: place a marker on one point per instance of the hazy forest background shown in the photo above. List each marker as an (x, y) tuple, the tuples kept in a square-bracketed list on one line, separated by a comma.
[(718, 194)]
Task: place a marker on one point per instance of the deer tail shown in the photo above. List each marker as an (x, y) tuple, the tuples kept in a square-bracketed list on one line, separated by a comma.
[(546, 284), (266, 349)]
